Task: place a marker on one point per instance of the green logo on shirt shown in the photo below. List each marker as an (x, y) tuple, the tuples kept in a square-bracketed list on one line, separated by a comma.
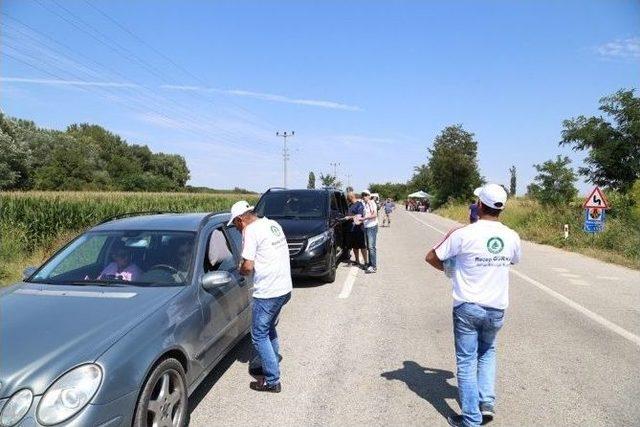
[(275, 231), (495, 245)]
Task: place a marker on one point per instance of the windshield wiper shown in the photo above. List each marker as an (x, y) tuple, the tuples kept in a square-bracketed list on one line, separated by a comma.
[(97, 283)]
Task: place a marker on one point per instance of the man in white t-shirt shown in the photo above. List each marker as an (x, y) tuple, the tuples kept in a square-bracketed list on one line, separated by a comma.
[(370, 230), (265, 253), (477, 257)]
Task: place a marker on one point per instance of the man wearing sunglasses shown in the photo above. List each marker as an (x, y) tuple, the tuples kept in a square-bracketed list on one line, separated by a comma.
[(265, 253)]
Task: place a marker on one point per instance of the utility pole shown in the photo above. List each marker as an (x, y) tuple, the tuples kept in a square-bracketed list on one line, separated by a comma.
[(335, 169), (348, 180), (285, 154)]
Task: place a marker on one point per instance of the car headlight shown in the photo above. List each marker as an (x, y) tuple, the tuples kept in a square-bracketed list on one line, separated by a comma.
[(69, 394), (16, 408), (318, 240)]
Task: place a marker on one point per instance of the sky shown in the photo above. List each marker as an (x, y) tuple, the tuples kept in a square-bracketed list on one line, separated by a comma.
[(364, 84)]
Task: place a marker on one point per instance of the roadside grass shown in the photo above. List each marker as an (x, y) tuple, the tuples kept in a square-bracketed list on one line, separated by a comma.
[(35, 224), (619, 243)]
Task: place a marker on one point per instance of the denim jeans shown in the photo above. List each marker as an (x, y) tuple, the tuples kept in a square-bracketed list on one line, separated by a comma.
[(475, 329), (372, 234), (264, 336)]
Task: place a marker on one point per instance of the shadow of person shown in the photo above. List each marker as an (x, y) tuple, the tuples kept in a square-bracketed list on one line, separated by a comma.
[(431, 384), (241, 353)]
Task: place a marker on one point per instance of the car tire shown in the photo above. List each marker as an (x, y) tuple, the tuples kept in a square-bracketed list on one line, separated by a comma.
[(164, 397), (330, 277)]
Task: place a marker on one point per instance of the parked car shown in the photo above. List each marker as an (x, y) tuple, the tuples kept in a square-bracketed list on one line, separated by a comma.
[(120, 326), (314, 224)]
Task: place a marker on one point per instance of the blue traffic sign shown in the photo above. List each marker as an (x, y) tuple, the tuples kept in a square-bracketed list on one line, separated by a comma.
[(594, 220)]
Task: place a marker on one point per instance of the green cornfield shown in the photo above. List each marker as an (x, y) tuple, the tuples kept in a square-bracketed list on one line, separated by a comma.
[(33, 224)]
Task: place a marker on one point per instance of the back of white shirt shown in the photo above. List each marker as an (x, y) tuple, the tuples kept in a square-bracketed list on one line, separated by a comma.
[(264, 243), (481, 254), (370, 208)]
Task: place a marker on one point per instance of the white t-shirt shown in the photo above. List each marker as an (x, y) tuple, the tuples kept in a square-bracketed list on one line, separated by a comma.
[(370, 208), (481, 254), (264, 243)]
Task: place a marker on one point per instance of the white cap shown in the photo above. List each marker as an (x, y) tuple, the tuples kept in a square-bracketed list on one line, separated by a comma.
[(366, 192), (238, 209), (492, 195)]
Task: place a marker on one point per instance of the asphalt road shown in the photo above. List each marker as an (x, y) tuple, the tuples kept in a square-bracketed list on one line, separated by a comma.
[(378, 349)]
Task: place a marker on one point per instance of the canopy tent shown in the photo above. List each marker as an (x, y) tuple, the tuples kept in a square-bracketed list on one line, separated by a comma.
[(419, 195)]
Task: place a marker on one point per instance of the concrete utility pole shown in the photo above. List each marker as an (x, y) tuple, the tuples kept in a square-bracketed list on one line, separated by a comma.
[(285, 154), (348, 180), (335, 169)]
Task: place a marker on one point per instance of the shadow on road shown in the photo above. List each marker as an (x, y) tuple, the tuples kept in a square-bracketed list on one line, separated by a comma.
[(241, 353), (307, 282), (431, 384)]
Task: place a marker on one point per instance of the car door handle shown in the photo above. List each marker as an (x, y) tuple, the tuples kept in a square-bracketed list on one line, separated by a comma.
[(242, 280)]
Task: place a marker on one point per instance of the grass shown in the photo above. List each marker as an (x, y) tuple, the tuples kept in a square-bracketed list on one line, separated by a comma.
[(619, 243), (34, 224)]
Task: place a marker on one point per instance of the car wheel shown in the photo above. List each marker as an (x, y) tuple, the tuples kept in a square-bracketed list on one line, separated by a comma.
[(330, 277), (163, 401)]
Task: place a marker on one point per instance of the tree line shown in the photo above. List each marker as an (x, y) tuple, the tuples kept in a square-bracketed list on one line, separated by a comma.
[(82, 157), (611, 142)]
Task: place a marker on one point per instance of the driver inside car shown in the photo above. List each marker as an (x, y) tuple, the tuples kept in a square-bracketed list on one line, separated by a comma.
[(121, 268)]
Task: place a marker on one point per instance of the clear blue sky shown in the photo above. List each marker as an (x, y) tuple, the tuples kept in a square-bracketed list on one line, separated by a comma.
[(368, 84)]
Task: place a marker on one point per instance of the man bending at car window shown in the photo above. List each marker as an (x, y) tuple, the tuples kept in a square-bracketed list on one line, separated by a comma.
[(121, 268), (266, 253)]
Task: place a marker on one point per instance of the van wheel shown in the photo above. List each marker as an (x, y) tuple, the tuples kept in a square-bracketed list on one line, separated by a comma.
[(330, 277), (163, 400)]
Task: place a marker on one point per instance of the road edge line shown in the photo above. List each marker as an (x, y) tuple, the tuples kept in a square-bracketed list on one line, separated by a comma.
[(347, 286)]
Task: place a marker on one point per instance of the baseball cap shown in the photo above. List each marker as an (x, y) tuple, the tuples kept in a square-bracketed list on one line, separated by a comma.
[(366, 193), (238, 209), (492, 195)]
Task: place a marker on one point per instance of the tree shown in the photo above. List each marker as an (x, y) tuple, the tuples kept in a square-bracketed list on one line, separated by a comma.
[(554, 184), (453, 165), (330, 181), (613, 145), (512, 181), (421, 180), (312, 181), (396, 191)]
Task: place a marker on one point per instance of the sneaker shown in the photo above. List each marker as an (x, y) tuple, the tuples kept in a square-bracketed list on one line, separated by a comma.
[(370, 270), (455, 420), (276, 388), (487, 412)]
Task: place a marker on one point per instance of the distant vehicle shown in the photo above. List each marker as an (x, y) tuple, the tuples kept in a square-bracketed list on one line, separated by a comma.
[(123, 323), (314, 224)]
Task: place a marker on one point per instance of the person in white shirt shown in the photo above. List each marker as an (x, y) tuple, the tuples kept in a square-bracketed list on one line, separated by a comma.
[(265, 253), (370, 229), (477, 257)]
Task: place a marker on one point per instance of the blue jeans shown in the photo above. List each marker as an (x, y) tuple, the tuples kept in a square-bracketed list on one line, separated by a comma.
[(264, 336), (372, 234), (475, 329)]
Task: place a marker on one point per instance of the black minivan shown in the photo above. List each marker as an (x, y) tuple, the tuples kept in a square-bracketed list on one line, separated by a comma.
[(315, 226)]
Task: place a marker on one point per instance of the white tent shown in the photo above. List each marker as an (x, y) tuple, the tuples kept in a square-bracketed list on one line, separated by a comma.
[(419, 195)]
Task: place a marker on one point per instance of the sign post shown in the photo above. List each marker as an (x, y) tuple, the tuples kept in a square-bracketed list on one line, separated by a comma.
[(595, 206)]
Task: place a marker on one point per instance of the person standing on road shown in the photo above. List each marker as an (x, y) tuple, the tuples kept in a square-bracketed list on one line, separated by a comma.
[(473, 212), (265, 253), (387, 208), (477, 257), (356, 234), (370, 229)]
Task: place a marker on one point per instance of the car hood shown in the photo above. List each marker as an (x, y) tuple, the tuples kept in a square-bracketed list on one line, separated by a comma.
[(302, 228), (47, 329)]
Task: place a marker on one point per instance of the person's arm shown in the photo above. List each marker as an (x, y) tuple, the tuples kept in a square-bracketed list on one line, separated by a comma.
[(434, 261), (246, 267), (249, 249)]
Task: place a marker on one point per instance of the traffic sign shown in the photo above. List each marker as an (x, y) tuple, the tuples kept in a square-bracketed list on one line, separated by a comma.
[(594, 220), (596, 199)]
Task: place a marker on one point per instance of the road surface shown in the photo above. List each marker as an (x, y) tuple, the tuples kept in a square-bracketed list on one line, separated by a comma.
[(378, 349)]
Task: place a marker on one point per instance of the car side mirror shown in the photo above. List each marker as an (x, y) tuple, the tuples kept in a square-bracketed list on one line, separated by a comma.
[(215, 279), (28, 272)]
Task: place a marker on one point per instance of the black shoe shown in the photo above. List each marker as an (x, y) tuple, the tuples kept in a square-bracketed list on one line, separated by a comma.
[(277, 388), (455, 420), (487, 412)]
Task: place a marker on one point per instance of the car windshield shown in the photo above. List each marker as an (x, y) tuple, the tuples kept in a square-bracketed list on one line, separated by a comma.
[(293, 204), (122, 258)]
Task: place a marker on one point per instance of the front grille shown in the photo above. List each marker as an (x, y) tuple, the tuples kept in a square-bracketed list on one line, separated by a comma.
[(295, 247)]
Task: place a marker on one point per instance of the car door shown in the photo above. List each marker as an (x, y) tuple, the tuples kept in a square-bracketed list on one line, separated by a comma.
[(336, 218), (221, 307), (246, 282)]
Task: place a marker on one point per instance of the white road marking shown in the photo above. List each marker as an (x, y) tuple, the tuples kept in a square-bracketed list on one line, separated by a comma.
[(348, 283), (560, 270), (579, 282), (574, 276), (427, 224), (608, 278), (590, 314)]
